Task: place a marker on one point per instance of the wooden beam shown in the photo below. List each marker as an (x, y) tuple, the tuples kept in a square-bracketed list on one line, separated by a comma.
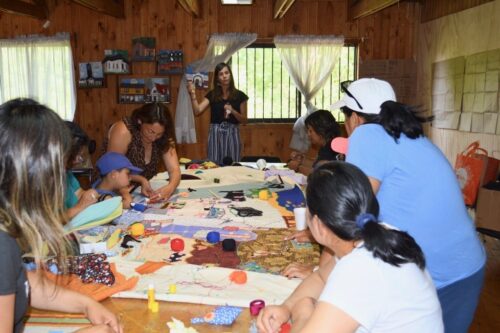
[(281, 7), (24, 8), (114, 8), (360, 8), (191, 6)]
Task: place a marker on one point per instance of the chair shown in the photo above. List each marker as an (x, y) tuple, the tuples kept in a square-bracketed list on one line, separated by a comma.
[(269, 159)]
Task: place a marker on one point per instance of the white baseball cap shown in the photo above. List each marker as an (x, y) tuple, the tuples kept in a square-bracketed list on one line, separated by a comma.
[(365, 95)]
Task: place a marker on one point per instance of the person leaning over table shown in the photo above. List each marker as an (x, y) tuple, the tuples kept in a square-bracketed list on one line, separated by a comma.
[(418, 193), (228, 109), (34, 145), (145, 138), (376, 283), (321, 129), (76, 199)]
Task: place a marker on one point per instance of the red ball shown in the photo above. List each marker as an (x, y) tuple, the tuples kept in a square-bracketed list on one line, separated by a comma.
[(177, 244)]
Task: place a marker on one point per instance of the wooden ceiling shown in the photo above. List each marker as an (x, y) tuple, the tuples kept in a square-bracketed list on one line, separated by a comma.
[(41, 9)]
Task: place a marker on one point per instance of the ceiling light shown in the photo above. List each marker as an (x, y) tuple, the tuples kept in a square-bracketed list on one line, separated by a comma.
[(236, 2)]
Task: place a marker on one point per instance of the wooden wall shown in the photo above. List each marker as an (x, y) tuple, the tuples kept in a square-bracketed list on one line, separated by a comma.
[(432, 9), (461, 34), (389, 34)]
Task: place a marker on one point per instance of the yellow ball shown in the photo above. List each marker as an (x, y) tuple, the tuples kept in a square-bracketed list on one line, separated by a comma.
[(137, 229), (264, 195)]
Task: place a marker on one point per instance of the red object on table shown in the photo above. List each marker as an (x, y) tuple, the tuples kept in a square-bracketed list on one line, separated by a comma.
[(286, 328), (177, 245)]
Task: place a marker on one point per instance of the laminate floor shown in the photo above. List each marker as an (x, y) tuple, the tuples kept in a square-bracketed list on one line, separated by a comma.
[(487, 318)]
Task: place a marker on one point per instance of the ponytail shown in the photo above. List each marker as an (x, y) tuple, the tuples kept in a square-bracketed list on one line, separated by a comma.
[(397, 118), (391, 246), (341, 195)]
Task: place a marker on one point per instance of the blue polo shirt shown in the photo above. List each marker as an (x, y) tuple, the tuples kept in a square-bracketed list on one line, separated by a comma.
[(419, 194)]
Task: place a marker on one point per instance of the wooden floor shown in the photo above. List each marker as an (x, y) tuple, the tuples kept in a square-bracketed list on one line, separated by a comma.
[(487, 319)]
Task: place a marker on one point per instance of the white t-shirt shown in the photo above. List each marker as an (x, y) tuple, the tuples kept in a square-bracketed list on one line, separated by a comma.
[(382, 297)]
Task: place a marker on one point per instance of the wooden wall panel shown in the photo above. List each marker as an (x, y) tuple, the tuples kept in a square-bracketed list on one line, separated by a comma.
[(432, 9), (174, 28)]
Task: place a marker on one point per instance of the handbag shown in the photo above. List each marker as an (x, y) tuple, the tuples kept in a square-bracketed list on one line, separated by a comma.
[(474, 168)]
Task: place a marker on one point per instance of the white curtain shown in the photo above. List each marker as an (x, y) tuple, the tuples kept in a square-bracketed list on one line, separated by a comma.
[(220, 48), (40, 68), (310, 61)]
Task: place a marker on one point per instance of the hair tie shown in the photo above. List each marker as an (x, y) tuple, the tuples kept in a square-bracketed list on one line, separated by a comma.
[(364, 218)]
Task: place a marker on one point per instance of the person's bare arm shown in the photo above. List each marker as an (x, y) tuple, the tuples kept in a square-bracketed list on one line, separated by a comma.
[(271, 318), (119, 138), (240, 116), (85, 199), (7, 303), (198, 108), (324, 319), (48, 296)]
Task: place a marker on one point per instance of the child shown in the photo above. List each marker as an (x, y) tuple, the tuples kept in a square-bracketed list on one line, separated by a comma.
[(34, 145), (376, 283), (115, 170), (76, 199)]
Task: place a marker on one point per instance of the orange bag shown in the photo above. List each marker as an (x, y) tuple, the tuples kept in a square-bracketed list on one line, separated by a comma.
[(474, 168)]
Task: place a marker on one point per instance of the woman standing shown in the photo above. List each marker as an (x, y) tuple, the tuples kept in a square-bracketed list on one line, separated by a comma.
[(146, 138), (34, 145), (418, 193), (228, 109)]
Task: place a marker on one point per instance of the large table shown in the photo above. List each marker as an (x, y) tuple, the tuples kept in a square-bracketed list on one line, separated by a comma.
[(136, 317)]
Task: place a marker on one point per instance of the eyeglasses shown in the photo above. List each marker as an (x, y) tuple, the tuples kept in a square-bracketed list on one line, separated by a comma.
[(343, 87)]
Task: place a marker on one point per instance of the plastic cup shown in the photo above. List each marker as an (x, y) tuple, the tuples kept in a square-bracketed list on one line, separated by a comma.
[(300, 218)]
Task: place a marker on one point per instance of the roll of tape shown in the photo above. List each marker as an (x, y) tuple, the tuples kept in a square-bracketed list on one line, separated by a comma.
[(256, 306)]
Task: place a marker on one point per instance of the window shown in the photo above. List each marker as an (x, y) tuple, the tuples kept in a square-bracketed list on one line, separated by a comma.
[(259, 73), (40, 68)]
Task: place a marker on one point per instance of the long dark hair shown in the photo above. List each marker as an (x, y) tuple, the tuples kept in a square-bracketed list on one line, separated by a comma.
[(79, 140), (156, 113), (323, 122), (395, 118), (339, 193), (218, 87), (33, 145)]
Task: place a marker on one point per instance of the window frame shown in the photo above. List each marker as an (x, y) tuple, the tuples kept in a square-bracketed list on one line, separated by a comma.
[(299, 107)]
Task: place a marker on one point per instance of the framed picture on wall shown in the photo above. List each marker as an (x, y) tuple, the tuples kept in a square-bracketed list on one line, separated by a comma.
[(116, 62), (143, 49), (170, 62), (91, 75), (140, 90)]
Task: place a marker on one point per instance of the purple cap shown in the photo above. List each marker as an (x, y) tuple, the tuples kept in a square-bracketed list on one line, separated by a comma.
[(115, 161)]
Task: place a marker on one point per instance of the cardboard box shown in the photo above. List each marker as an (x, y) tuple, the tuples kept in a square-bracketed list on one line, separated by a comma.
[(488, 209)]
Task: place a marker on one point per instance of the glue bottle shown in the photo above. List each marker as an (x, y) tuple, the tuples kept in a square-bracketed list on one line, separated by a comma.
[(151, 296)]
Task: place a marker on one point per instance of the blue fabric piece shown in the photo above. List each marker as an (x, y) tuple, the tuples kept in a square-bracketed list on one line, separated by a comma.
[(292, 198), (459, 301), (95, 212), (222, 315), (72, 185), (419, 193)]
